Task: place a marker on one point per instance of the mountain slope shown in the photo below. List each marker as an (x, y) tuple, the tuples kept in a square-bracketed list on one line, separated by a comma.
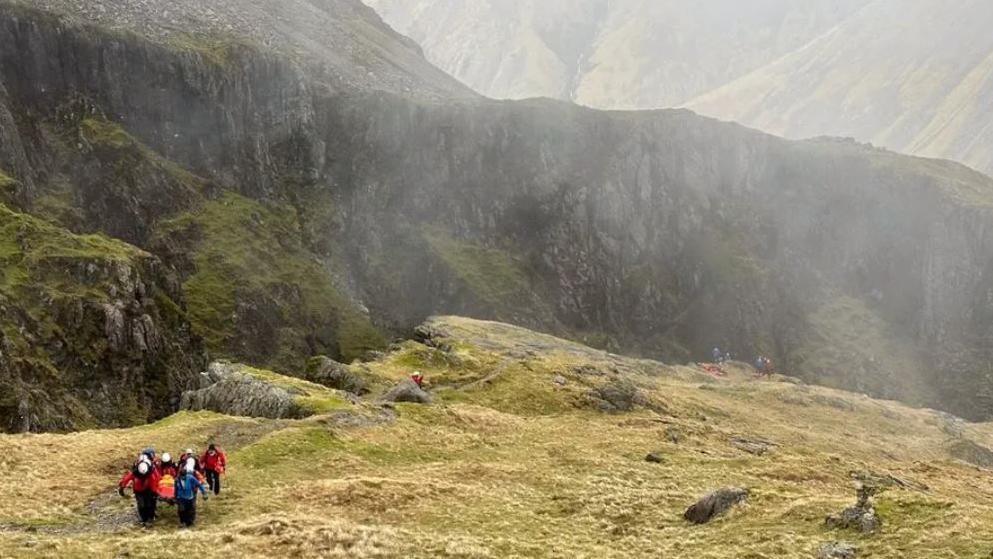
[(916, 82), (302, 216), (610, 55), (516, 459)]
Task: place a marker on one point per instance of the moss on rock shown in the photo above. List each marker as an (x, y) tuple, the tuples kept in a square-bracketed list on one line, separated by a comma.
[(256, 294)]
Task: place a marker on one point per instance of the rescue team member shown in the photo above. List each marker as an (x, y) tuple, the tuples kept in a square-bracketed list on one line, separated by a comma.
[(144, 481), (187, 486), (214, 462)]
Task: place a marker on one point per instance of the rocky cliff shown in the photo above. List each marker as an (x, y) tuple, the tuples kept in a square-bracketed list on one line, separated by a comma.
[(306, 208)]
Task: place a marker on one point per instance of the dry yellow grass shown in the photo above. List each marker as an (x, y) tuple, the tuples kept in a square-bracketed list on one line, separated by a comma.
[(520, 466)]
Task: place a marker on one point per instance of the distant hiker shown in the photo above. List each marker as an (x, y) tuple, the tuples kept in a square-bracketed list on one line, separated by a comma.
[(144, 481), (186, 489), (418, 379), (716, 354), (214, 463), (728, 357), (759, 364), (768, 370)]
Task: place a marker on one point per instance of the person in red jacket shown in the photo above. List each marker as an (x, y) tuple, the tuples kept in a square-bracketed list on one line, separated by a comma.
[(214, 463), (144, 480), (167, 467)]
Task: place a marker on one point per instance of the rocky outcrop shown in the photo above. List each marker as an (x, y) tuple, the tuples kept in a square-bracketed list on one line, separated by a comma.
[(92, 331), (332, 374), (715, 504), (234, 389), (232, 392), (972, 453)]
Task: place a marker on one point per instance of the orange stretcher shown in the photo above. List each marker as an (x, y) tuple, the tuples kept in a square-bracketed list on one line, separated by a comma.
[(167, 488), (713, 370)]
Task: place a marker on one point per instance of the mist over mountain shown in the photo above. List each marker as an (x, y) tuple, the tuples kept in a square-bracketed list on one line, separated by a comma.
[(423, 322), (910, 77), (608, 54)]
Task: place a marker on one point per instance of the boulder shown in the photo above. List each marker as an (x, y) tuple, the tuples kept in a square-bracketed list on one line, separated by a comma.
[(715, 504), (407, 391), (654, 457), (757, 447), (862, 516), (333, 374), (837, 550), (230, 390), (617, 395)]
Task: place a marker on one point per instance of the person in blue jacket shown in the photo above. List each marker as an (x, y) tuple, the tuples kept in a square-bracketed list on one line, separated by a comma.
[(187, 486)]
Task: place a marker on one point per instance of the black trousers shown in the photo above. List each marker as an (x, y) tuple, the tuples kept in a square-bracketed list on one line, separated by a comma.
[(187, 511), (214, 481), (148, 502)]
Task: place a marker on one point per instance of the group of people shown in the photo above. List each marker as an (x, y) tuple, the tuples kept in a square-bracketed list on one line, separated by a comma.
[(155, 478), (763, 365)]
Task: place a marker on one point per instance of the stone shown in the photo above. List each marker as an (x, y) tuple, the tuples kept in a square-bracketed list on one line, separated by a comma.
[(837, 550), (752, 446), (617, 395), (407, 391), (715, 504), (654, 458)]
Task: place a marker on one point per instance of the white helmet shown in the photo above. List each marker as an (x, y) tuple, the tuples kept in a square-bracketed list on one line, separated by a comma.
[(166, 457), (143, 467), (189, 451)]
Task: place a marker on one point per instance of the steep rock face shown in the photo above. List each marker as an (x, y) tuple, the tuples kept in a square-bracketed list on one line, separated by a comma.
[(666, 230), (660, 232), (92, 331)]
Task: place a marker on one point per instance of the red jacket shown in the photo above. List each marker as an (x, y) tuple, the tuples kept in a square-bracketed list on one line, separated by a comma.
[(142, 484), (215, 463)]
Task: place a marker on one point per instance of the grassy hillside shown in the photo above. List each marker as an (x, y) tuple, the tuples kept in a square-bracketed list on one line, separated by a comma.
[(515, 459)]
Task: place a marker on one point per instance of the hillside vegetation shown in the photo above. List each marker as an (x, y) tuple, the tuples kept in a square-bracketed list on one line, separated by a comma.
[(520, 457)]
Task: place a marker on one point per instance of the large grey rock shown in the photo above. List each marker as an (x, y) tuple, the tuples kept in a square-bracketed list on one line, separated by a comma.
[(229, 390), (333, 374), (715, 504), (407, 391), (617, 395)]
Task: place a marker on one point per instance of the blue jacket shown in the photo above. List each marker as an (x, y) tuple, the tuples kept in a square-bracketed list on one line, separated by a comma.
[(187, 486)]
